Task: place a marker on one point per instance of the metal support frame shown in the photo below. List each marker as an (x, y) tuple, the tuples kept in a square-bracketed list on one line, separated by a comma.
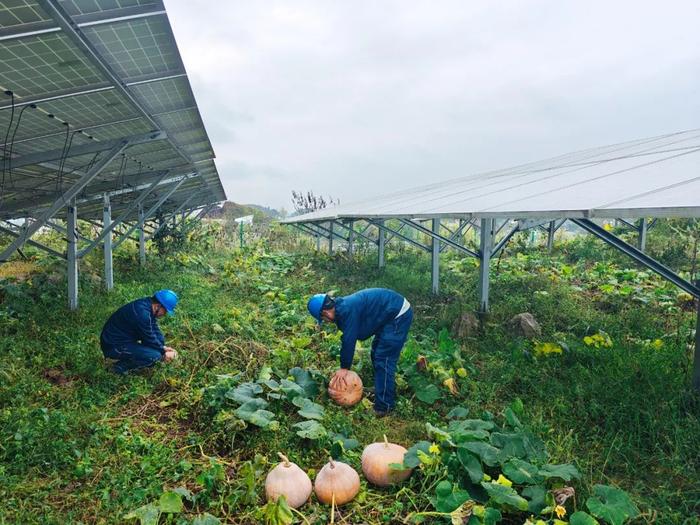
[(551, 230), (642, 238), (69, 195), (150, 212), (435, 258), (351, 239), (502, 243), (639, 256), (435, 235), (30, 242), (178, 210), (462, 229), (107, 245), (352, 232), (696, 357), (397, 233), (485, 251), (142, 237), (124, 215), (330, 238), (393, 234), (72, 254), (381, 243)]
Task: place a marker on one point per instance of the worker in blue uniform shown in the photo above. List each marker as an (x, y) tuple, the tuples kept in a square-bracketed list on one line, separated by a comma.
[(377, 312), (131, 334)]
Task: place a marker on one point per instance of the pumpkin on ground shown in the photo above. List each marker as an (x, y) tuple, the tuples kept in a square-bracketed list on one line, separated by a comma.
[(349, 393), (289, 480), (336, 483), (376, 459)]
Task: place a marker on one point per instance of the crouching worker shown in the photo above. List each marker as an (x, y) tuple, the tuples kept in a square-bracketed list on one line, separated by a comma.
[(377, 312), (131, 334)]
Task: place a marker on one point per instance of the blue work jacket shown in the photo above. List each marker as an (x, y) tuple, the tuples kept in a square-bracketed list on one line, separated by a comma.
[(133, 323), (361, 315)]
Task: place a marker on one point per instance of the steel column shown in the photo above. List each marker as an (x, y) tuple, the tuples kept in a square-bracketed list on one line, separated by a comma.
[(64, 199), (550, 235), (72, 254), (330, 238), (642, 239), (107, 244), (381, 244), (485, 250), (351, 239), (142, 238), (435, 258), (696, 359)]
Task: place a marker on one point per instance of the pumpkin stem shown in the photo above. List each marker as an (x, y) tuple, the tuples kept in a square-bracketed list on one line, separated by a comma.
[(386, 442), (285, 459), (330, 460)]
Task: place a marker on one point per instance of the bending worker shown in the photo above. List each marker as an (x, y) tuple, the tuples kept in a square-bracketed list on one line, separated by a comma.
[(131, 334), (377, 312)]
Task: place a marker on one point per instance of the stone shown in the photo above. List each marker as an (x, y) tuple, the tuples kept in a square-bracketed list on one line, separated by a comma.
[(466, 325), (525, 325)]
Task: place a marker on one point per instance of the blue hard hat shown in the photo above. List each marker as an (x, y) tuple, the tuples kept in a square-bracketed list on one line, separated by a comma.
[(168, 299), (315, 305)]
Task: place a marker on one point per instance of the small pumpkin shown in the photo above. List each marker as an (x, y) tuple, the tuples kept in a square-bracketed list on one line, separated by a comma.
[(288, 479), (336, 483), (376, 459), (347, 394)]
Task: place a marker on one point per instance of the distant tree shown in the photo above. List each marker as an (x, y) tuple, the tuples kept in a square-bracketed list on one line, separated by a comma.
[(308, 202)]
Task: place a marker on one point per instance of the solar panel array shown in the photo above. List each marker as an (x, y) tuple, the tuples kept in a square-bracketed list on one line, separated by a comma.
[(115, 72), (653, 177)]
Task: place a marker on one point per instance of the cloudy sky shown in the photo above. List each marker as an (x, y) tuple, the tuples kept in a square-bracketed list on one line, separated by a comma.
[(355, 98)]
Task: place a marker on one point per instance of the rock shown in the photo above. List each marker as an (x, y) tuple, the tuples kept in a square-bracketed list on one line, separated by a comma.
[(526, 325), (466, 325)]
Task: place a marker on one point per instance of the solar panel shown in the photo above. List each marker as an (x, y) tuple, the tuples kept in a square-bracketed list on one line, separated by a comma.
[(650, 177), (69, 74)]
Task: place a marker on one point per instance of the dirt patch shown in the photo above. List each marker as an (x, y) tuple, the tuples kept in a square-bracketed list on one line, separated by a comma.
[(57, 377)]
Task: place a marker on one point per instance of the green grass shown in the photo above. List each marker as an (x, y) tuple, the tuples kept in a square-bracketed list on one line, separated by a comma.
[(100, 446)]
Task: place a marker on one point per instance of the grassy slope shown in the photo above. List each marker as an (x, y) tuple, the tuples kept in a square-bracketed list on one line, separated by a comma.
[(102, 445)]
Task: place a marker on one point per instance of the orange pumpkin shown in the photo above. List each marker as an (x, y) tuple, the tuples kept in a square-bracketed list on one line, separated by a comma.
[(347, 394), (289, 480), (336, 483), (376, 459)]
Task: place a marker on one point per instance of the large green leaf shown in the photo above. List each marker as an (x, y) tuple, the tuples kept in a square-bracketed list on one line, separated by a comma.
[(504, 495), (611, 504), (428, 394), (457, 413), (278, 512), (536, 496), (566, 471), (512, 419), (291, 389), (512, 445), (341, 444), (244, 393), (448, 497), (310, 429), (305, 380), (410, 458), (463, 431), (471, 464), (252, 412), (489, 455), (492, 516), (308, 409), (522, 472), (582, 518), (147, 515), (170, 502)]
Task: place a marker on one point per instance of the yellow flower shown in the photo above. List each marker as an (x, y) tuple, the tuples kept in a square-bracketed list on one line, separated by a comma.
[(502, 480), (561, 511), (434, 449), (462, 372), (607, 227), (658, 343), (486, 477)]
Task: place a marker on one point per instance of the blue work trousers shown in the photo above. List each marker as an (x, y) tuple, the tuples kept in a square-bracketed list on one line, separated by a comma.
[(386, 349), (131, 356)]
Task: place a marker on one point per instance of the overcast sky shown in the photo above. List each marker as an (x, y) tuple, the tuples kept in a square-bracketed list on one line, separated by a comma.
[(355, 98)]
